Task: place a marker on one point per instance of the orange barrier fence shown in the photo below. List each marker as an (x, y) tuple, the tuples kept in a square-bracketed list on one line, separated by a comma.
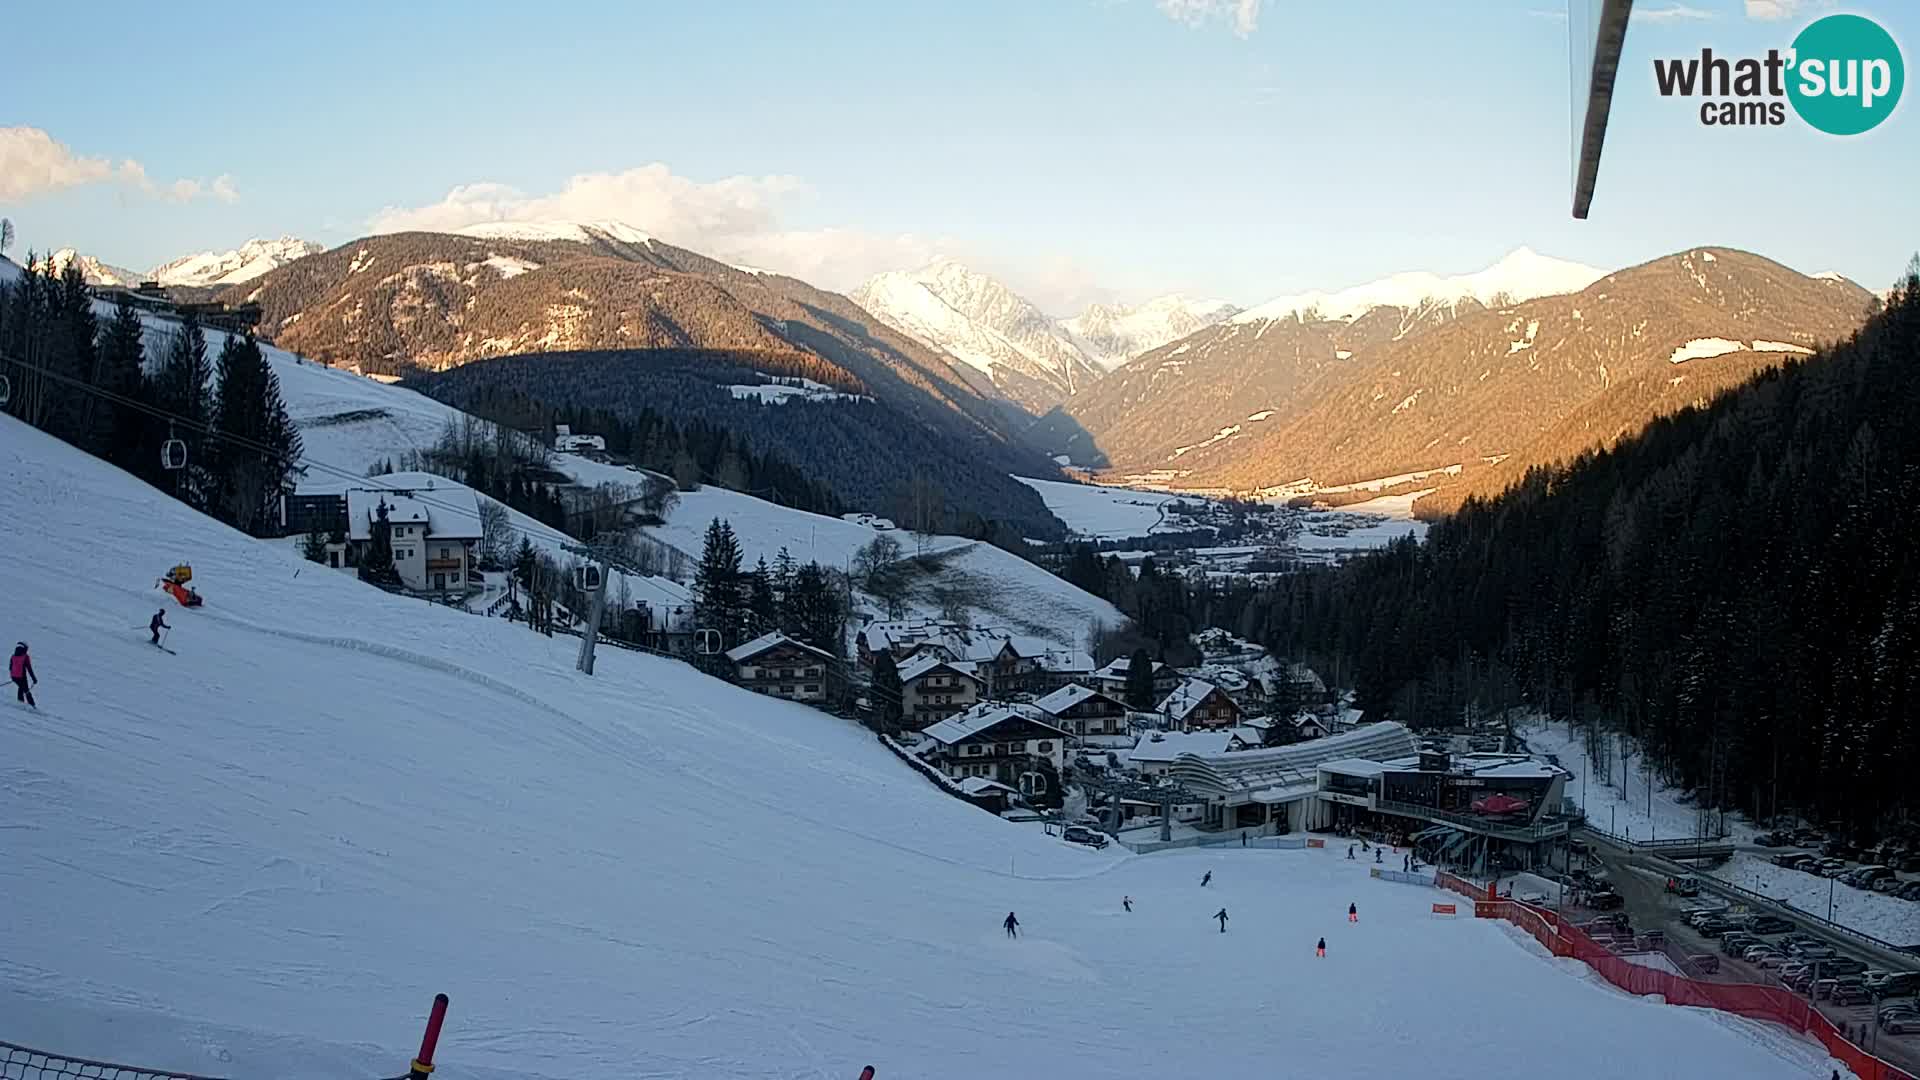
[(1445, 909), (1774, 1004)]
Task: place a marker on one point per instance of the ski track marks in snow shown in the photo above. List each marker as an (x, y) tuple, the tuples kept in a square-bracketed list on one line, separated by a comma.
[(264, 855)]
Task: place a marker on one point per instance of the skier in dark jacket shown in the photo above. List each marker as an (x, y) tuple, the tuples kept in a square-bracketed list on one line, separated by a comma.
[(1127, 902), (1320, 949), (1376, 855), (1012, 924), (1222, 916), (1353, 913), (20, 668), (1205, 878), (157, 624)]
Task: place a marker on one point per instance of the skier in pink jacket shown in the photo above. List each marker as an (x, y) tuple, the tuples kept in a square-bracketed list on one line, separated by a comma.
[(20, 668)]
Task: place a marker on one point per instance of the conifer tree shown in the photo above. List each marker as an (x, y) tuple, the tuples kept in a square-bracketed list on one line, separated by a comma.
[(718, 598), (1139, 686), (376, 566), (122, 356)]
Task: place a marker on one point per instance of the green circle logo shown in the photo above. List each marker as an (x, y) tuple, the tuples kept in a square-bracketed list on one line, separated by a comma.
[(1847, 75)]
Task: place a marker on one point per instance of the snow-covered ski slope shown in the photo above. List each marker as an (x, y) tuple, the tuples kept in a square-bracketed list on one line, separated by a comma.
[(261, 856)]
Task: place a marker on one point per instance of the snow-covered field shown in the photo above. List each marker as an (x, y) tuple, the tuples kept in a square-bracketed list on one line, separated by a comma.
[(1374, 523), (262, 855), (1624, 812), (1885, 917), (1101, 513)]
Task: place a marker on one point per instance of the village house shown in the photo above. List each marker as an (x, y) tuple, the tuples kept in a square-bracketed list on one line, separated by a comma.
[(1199, 704), (1091, 717), (433, 533), (933, 688), (1156, 751), (1010, 744), (1112, 679), (1063, 667), (778, 666), (566, 442)]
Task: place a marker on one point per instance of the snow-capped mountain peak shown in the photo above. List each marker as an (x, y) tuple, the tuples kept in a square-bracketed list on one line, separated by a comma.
[(95, 271), (244, 263), (1112, 334), (981, 322), (1521, 275)]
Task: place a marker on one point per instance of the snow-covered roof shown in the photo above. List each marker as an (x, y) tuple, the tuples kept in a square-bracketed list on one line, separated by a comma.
[(1287, 766), (983, 717), (980, 785), (1353, 766), (1172, 744), (449, 511), (1067, 697), (927, 662), (742, 653), (1249, 736), (1117, 668), (1067, 662), (1187, 697)]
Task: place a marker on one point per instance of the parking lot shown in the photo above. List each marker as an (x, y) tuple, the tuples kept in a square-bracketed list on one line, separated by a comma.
[(1646, 905)]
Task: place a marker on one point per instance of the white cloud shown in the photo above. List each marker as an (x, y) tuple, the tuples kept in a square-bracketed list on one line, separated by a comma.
[(1244, 14), (736, 219), (33, 162), (1671, 13), (1777, 10)]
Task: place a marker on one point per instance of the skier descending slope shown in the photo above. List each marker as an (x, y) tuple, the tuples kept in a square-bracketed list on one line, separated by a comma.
[(157, 624), (1353, 913), (1320, 949), (20, 668), (1206, 878), (1222, 916), (1013, 925)]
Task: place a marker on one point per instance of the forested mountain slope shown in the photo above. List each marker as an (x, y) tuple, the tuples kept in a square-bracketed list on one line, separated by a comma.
[(1737, 586)]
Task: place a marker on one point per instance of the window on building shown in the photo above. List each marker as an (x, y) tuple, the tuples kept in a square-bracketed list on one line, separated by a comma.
[(1046, 747), (787, 689), (975, 750), (813, 688)]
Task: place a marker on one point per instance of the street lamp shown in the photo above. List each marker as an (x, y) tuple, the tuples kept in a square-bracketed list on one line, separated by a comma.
[(1830, 884)]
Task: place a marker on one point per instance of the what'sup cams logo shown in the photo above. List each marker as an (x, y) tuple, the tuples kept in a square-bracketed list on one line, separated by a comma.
[(1843, 76)]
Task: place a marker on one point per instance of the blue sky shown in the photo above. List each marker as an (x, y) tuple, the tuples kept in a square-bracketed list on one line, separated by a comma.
[(1081, 148)]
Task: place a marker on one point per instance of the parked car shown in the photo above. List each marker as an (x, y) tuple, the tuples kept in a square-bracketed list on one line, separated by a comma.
[(1080, 834), (1706, 963), (1888, 885), (1753, 954), (1843, 965), (1898, 1019), (1792, 860), (1850, 993), (1773, 839), (1736, 942), (1812, 951), (1713, 925), (1606, 901), (1773, 961), (1838, 849), (1832, 868), (1686, 886), (1909, 891), (1886, 984), (1769, 924)]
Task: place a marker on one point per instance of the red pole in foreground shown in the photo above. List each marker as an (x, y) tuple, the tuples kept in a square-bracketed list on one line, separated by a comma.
[(423, 1064)]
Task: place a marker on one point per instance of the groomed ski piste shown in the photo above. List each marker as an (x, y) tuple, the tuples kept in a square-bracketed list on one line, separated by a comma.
[(261, 856)]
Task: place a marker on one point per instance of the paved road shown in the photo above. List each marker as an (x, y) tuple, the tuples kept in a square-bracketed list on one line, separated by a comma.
[(1651, 907)]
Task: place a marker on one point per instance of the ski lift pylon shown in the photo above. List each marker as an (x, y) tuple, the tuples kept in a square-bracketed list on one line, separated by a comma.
[(173, 452)]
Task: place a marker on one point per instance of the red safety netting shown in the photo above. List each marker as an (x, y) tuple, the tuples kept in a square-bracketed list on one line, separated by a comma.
[(1774, 1004)]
